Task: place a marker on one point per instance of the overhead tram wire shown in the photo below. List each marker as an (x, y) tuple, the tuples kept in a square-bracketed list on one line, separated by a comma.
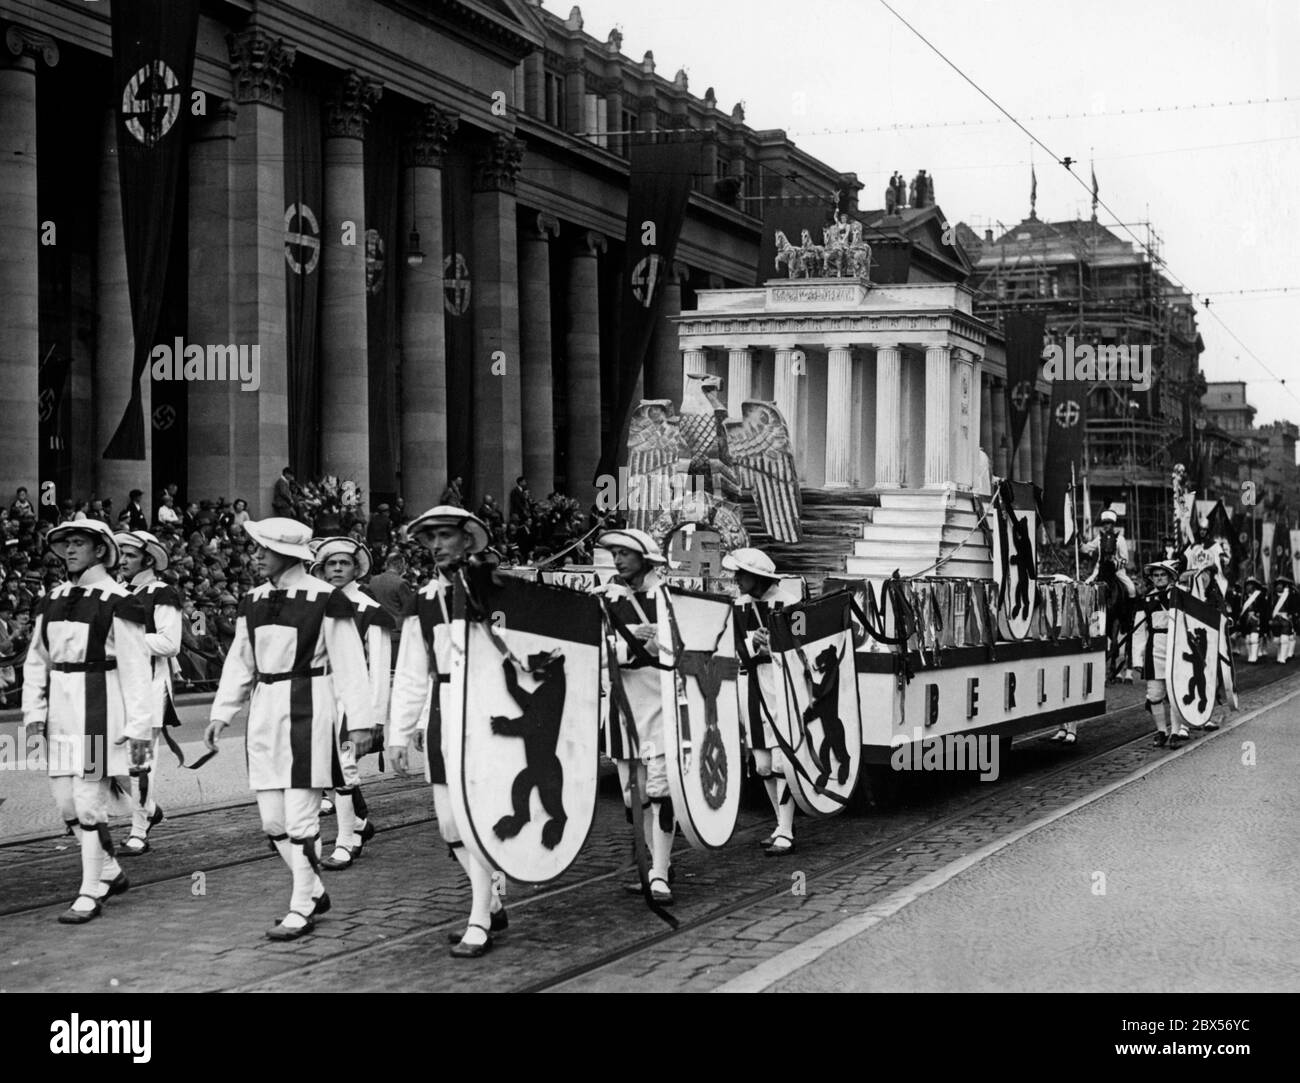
[(1066, 164)]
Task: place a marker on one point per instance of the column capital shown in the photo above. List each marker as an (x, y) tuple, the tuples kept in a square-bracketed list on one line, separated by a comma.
[(428, 136), (589, 243), (496, 168), (21, 42), (260, 66), (544, 226), (348, 106)]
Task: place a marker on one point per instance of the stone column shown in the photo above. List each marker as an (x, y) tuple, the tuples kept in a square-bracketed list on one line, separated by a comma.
[(694, 363), (1000, 438), (211, 431), (889, 417), (938, 383), (612, 88), (664, 379), (260, 65), (115, 336), (839, 417), (785, 389), (575, 95), (535, 350), (498, 452), (535, 84), (582, 347), (344, 345), (424, 342), (740, 378), (965, 418), (986, 412), (20, 342)]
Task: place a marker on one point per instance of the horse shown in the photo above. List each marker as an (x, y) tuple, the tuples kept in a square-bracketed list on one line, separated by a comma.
[(1118, 609), (788, 254), (814, 255)]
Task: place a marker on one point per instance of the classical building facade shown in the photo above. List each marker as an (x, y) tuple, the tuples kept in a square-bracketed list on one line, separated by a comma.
[(414, 209)]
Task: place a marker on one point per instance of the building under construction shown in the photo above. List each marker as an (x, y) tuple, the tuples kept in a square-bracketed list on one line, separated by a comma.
[(1097, 289)]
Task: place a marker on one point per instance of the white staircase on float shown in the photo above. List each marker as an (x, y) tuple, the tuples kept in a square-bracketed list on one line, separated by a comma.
[(913, 529)]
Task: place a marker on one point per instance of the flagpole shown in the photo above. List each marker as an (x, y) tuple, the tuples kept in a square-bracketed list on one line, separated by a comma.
[(1074, 511)]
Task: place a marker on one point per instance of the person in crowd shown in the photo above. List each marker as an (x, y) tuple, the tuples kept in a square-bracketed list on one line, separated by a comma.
[(284, 502)]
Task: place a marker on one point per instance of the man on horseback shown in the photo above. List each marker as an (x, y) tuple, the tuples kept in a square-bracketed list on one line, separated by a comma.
[(1111, 550)]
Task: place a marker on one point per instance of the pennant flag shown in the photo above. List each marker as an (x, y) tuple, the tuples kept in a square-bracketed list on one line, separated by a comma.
[(153, 61), (1094, 193), (1033, 191), (303, 213), (1295, 555), (1266, 548), (1067, 515), (1024, 332), (659, 188), (1064, 438), (1087, 509)]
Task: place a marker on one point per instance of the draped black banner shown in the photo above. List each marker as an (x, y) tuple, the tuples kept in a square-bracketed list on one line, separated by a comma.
[(153, 60), (303, 214), (1024, 333), (659, 188), (384, 260), (1064, 442), (458, 305)]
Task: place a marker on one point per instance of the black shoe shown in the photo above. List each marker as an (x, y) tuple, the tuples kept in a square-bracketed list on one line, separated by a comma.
[(775, 851), (117, 885), (281, 932), (320, 905), (1178, 740), (461, 950), (499, 924), (124, 849), (80, 917), (329, 862), (1161, 740), (367, 832)]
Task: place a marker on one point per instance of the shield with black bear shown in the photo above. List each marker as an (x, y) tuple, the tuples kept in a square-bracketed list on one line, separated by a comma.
[(701, 714), (817, 722), (1015, 560), (1192, 667), (523, 726)]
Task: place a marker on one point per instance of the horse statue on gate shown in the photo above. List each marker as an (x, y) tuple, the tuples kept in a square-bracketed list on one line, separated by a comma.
[(813, 255), (788, 254)]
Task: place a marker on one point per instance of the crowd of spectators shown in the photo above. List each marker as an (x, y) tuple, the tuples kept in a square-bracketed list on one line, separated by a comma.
[(210, 557)]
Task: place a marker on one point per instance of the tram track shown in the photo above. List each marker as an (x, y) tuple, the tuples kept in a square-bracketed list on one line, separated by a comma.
[(1104, 737)]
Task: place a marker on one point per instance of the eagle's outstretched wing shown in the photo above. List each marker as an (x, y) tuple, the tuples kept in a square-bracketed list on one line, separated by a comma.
[(654, 445), (760, 448)]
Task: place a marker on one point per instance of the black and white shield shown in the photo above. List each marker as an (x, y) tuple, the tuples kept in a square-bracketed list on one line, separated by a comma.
[(1192, 667), (818, 724), (701, 714), (522, 740), (1015, 568)]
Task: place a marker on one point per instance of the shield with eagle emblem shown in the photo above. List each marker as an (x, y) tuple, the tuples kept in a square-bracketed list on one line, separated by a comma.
[(817, 720), (523, 726), (701, 714)]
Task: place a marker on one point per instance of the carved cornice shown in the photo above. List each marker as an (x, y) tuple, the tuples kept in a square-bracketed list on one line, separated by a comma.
[(349, 105), (259, 66), (845, 327), (21, 42), (427, 139), (497, 168)]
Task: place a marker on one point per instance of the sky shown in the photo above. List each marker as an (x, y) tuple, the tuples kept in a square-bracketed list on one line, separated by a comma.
[(1218, 185)]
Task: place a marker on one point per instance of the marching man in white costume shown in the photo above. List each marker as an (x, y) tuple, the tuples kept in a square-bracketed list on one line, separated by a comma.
[(424, 660), (86, 687), (297, 653), (342, 562), (760, 593), (630, 596), (1153, 612), (1285, 609), (143, 556)]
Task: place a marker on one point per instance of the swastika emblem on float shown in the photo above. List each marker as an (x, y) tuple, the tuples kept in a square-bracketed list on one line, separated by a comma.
[(301, 246), (455, 284), (151, 102), (645, 278), (1067, 414), (164, 417), (1020, 395)]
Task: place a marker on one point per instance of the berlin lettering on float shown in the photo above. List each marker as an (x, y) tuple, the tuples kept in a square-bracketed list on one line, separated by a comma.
[(193, 363)]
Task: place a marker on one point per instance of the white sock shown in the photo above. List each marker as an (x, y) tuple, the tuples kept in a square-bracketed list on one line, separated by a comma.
[(92, 867), (111, 870), (346, 814), (480, 909), (661, 844), (304, 884), (785, 814)]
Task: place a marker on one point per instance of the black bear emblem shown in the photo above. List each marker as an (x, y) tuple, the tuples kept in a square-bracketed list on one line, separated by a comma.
[(539, 727), (1023, 559), (824, 707), (1197, 648)]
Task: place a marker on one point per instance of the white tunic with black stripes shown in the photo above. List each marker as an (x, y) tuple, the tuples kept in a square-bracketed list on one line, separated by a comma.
[(296, 652), (87, 677), (162, 635)]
